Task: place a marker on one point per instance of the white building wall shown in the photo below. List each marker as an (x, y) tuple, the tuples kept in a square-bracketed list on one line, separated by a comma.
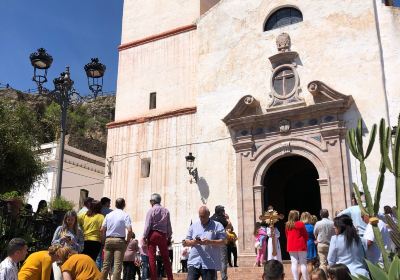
[(165, 142), (78, 173)]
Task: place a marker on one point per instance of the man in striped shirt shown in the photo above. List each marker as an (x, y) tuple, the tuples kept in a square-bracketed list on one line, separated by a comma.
[(16, 252)]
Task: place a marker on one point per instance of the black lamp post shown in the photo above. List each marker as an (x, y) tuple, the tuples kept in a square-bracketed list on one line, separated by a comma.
[(189, 166), (64, 93)]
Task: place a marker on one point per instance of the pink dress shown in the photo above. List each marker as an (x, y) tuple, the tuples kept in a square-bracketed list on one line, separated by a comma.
[(262, 239)]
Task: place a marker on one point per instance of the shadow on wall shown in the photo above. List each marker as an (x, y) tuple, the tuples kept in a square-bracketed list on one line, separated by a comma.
[(204, 189)]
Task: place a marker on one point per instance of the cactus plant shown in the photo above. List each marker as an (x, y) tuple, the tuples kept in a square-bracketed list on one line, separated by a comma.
[(355, 140), (393, 166)]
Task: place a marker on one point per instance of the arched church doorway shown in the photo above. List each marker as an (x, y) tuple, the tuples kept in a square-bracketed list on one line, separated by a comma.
[(291, 183)]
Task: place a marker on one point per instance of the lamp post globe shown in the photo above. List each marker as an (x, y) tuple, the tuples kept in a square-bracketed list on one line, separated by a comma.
[(41, 61), (95, 73), (190, 161)]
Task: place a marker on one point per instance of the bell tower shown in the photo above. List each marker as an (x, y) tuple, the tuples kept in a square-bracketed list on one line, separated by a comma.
[(145, 18), (158, 57)]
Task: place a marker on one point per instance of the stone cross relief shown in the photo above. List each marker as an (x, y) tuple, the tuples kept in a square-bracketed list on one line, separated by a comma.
[(284, 82)]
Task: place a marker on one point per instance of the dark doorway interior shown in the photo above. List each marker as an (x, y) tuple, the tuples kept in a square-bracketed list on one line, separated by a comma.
[(291, 183)]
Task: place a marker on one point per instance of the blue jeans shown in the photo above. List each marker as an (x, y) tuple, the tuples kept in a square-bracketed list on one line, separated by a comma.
[(99, 260), (145, 267), (206, 274)]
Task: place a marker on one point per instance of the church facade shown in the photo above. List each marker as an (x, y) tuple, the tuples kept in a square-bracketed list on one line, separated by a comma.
[(261, 93)]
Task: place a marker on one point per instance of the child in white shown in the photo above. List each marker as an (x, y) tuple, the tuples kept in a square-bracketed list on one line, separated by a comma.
[(270, 234)]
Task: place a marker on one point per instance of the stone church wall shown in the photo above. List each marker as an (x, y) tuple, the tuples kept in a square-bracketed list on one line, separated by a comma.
[(209, 69), (337, 43)]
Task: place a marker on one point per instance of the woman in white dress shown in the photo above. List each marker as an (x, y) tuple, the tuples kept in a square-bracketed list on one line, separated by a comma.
[(274, 235)]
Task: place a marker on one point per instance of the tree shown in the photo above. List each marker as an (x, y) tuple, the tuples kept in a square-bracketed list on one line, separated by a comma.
[(20, 135)]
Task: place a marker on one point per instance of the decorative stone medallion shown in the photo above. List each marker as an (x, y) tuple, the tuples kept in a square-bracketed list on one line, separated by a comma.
[(285, 81)]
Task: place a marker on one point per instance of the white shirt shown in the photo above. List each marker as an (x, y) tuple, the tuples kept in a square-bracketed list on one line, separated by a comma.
[(82, 211), (116, 222), (355, 213), (8, 270), (324, 231), (373, 253)]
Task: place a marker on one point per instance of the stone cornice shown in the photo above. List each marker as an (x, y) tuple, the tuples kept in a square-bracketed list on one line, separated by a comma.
[(327, 101), (74, 157), (169, 114), (157, 37)]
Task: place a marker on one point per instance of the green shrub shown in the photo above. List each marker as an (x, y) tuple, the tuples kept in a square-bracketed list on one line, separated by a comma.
[(11, 195), (60, 203)]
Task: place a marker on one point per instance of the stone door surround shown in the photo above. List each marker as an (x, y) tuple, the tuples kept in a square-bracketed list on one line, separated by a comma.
[(260, 137)]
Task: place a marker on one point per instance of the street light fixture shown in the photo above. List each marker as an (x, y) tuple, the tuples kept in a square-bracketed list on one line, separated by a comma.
[(189, 166), (95, 72), (64, 93), (41, 61)]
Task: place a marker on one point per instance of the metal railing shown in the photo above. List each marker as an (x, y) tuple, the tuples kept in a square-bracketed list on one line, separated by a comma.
[(36, 229)]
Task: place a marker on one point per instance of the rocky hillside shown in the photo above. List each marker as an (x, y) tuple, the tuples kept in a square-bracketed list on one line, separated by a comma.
[(86, 122)]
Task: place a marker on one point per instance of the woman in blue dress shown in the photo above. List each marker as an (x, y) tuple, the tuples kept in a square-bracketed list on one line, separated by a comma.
[(311, 247)]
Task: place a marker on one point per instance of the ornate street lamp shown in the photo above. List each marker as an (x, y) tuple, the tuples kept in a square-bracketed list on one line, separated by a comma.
[(189, 166), (64, 93), (95, 72), (41, 61)]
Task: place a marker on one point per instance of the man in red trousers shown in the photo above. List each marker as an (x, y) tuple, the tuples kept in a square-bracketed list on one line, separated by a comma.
[(157, 232)]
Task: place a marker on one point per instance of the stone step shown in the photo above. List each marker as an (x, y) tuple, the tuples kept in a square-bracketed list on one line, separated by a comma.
[(240, 273)]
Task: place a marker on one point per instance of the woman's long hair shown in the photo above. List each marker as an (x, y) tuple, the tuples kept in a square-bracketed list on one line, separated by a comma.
[(339, 271), (344, 225), (292, 218), (305, 218), (320, 273), (256, 228), (69, 214), (94, 208)]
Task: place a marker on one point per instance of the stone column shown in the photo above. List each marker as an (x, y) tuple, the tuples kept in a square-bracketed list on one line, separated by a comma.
[(249, 208), (258, 201)]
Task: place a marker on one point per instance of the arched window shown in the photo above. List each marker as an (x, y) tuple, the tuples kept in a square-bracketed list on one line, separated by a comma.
[(282, 17)]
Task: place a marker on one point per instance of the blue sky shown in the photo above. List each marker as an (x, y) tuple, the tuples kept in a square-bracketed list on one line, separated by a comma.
[(72, 31)]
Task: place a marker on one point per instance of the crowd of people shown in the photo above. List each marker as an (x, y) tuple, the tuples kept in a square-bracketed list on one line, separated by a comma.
[(98, 243), (325, 249)]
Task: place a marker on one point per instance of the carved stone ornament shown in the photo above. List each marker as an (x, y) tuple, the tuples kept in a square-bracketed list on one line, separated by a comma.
[(285, 81), (284, 126), (283, 42)]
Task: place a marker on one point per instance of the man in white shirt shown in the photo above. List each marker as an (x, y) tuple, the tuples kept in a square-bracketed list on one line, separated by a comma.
[(86, 205), (323, 232), (355, 213), (373, 252), (114, 228), (16, 252)]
